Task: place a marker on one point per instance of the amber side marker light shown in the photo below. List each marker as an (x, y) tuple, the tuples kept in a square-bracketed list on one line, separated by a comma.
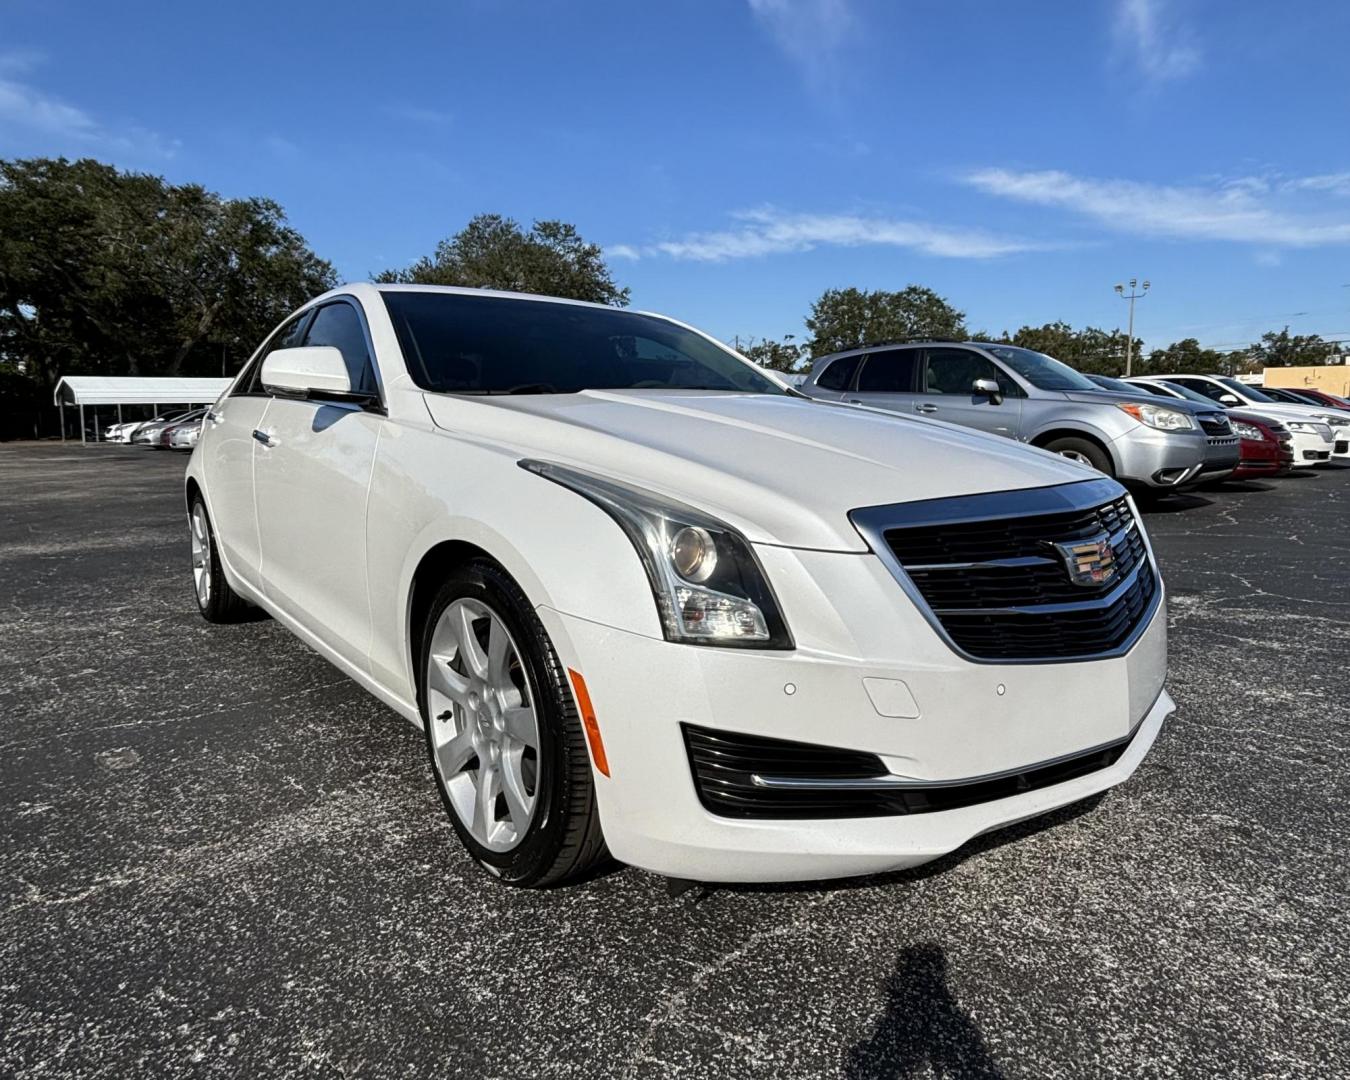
[(588, 721)]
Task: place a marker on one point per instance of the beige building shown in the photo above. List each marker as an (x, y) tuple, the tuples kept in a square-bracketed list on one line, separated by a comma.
[(1329, 378)]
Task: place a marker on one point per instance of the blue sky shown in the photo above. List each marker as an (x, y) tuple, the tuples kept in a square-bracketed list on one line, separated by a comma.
[(736, 158)]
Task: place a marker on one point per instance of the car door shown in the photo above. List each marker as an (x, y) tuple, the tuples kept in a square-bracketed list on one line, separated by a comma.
[(312, 469), (227, 457), (949, 376), (887, 379)]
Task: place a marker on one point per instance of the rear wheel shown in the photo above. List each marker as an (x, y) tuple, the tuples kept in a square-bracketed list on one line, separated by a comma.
[(505, 742), (1089, 453), (217, 602)]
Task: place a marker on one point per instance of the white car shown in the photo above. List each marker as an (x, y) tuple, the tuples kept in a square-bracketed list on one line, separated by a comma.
[(640, 596), (1330, 432)]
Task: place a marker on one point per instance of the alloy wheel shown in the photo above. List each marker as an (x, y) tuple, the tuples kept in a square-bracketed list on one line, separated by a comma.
[(484, 727), (201, 555)]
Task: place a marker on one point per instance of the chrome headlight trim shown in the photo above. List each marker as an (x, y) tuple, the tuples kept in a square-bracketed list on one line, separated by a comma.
[(732, 606)]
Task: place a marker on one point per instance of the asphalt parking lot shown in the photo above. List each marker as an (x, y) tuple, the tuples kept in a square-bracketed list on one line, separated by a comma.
[(221, 857)]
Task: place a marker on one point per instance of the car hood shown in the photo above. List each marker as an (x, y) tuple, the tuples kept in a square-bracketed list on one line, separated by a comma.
[(1112, 397), (782, 470), (1286, 412)]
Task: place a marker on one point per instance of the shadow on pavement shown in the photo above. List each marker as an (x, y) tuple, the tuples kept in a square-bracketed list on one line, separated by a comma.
[(1171, 504), (922, 1029)]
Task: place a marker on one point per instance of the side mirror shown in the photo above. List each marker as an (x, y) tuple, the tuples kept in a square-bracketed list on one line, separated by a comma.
[(1229, 399), (990, 389), (310, 371)]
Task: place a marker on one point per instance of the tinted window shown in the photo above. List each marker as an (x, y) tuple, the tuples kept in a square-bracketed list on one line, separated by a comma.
[(954, 371), (286, 337), (339, 325), (465, 344), (1242, 390), (1151, 388), (1040, 370), (892, 371), (1189, 393), (1213, 391), (838, 374)]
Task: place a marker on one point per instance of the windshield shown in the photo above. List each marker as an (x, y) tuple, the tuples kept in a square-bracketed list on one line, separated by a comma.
[(1249, 392), (464, 344), (1187, 392), (1040, 370)]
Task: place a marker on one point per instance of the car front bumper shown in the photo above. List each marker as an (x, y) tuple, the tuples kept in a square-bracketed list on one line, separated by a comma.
[(1264, 458), (869, 674), (1311, 449), (1161, 459)]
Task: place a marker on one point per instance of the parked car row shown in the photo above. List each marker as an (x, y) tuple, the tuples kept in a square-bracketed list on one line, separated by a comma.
[(1155, 434), (175, 431)]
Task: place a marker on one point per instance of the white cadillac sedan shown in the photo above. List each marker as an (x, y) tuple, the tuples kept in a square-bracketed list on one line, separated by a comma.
[(643, 598)]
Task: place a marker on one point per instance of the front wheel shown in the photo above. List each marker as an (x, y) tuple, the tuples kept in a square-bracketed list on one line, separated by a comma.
[(217, 602), (506, 745), (1088, 453)]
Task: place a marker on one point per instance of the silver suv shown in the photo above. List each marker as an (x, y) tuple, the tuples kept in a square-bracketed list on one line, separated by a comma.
[(1034, 399)]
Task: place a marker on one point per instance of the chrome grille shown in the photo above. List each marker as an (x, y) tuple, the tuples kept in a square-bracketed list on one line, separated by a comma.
[(987, 572), (1214, 423)]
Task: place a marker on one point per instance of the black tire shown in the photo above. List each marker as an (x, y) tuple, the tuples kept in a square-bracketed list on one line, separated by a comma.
[(221, 603), (1083, 450), (563, 840)]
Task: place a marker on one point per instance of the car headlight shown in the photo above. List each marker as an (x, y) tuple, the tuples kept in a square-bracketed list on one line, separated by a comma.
[(1336, 421), (708, 586), (1158, 416), (1249, 431), (1302, 425)]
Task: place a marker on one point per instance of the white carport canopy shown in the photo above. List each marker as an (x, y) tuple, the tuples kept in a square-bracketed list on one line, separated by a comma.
[(95, 390)]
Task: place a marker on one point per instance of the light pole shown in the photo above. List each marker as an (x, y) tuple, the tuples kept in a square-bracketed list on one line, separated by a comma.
[(1131, 296)]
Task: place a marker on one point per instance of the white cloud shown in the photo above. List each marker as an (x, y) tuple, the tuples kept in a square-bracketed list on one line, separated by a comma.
[(768, 231), (1157, 42), (1246, 210), (282, 148), (419, 114), (810, 32), (67, 127), (1336, 183)]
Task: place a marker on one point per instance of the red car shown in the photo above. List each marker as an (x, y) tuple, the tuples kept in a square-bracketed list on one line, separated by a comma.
[(1266, 447)]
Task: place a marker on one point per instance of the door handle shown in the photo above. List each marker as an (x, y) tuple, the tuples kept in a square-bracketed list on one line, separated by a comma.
[(925, 408), (854, 401), (264, 438)]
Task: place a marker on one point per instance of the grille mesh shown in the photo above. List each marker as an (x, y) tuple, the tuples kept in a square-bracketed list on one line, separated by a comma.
[(984, 581)]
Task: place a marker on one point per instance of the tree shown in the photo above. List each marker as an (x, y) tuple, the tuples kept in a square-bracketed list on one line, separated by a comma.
[(1285, 350), (777, 355), (1182, 356), (494, 252), (847, 318), (113, 273), (1091, 349)]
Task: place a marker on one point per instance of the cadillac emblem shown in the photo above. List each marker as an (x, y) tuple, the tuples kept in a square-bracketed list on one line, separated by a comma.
[(1089, 562)]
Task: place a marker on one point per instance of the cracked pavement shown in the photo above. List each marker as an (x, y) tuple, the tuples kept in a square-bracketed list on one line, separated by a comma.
[(222, 857)]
